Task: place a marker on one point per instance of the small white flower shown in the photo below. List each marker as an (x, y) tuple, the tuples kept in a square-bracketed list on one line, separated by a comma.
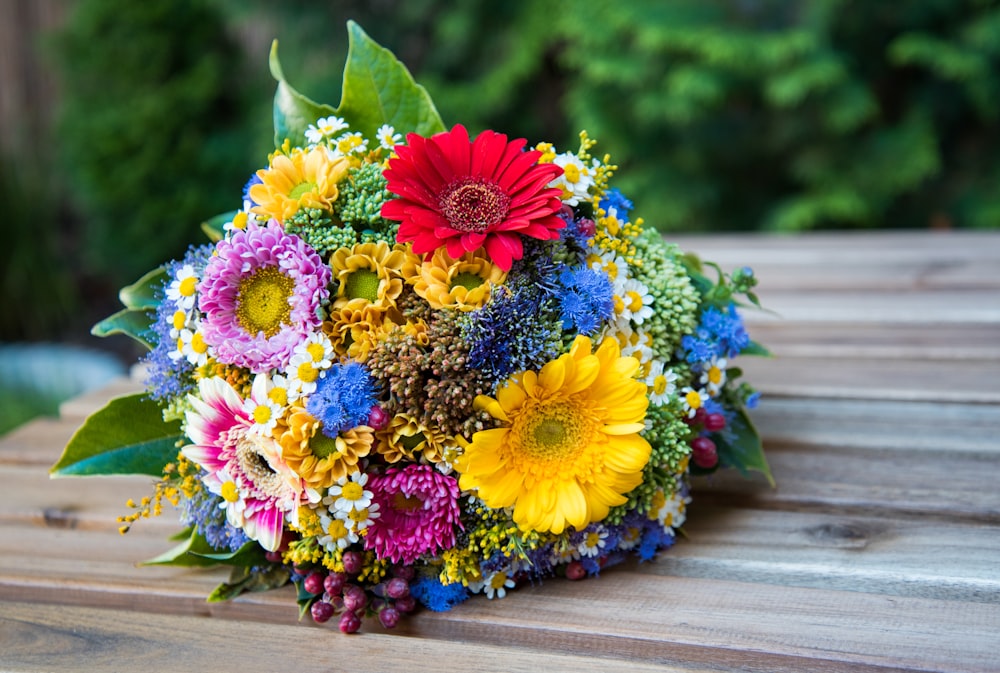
[(350, 143), (338, 535), (635, 343), (576, 180), (714, 375), (302, 374), (325, 127), (661, 382), (611, 263), (263, 411), (630, 538), (693, 400), (360, 519), (233, 499), (387, 137), (671, 511), (191, 346), (349, 493), (183, 288), (593, 542), (318, 347), (632, 300), (496, 585)]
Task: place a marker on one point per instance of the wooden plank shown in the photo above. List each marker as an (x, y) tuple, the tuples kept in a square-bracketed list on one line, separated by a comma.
[(872, 554), (877, 306), (977, 342), (39, 442), (82, 406), (882, 425), (42, 638), (954, 381)]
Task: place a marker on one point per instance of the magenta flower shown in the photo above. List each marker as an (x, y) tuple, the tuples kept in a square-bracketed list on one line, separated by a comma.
[(260, 295), (419, 513), (244, 468)]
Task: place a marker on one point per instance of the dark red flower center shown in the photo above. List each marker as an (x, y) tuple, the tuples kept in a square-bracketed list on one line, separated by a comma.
[(473, 204)]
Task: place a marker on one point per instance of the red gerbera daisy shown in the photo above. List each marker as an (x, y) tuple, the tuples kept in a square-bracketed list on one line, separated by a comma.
[(467, 195)]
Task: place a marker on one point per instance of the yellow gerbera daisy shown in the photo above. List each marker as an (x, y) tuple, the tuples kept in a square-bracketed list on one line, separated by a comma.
[(300, 179), (406, 438), (464, 284), (318, 459), (569, 447)]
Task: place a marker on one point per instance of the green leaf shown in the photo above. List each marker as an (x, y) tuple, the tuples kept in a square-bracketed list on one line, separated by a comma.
[(130, 322), (242, 580), (746, 451), (184, 553), (377, 89), (128, 436), (754, 348), (293, 112), (141, 294), (213, 225), (250, 554)]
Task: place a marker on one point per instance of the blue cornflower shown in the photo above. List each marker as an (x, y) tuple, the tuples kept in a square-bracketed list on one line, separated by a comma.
[(343, 398), (586, 300), (615, 199), (654, 538), (202, 511), (727, 329), (511, 333), (436, 596)]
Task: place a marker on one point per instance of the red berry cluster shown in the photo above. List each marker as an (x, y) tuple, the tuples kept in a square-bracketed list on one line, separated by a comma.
[(703, 450), (333, 592)]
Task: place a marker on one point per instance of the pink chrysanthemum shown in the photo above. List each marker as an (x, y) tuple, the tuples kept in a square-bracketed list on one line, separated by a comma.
[(419, 513), (245, 468), (465, 195), (259, 295)]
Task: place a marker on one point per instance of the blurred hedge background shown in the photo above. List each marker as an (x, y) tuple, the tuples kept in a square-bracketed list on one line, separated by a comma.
[(125, 124)]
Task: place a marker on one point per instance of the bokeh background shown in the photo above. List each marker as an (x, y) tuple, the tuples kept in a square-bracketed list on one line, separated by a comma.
[(123, 125)]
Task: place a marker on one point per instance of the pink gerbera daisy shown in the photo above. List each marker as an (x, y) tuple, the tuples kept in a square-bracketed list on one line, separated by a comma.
[(418, 513), (260, 294), (466, 195), (244, 467)]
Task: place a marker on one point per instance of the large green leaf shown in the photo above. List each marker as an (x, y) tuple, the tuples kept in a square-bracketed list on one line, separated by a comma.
[(243, 580), (377, 89), (128, 436), (131, 322), (746, 451), (195, 550), (142, 293)]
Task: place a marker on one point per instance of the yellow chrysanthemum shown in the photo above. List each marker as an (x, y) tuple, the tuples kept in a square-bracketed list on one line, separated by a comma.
[(318, 459), (355, 328), (369, 273), (464, 284), (405, 438), (299, 179), (569, 447)]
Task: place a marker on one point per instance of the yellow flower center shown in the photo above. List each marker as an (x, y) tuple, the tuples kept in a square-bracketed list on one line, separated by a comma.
[(553, 433), (715, 375), (180, 319), (352, 491), (337, 529), (262, 414), (229, 492), (619, 304), (660, 384), (358, 515), (240, 221), (498, 581), (262, 301), (324, 447), (316, 351), (188, 286), (278, 395), (362, 284), (307, 373), (198, 344), (693, 399), (406, 503), (572, 173), (634, 301)]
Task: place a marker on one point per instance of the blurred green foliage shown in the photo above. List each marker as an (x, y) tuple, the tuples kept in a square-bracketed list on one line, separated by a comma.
[(723, 115)]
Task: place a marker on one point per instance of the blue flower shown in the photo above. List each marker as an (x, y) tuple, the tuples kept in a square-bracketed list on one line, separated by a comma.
[(202, 511), (343, 398), (436, 596), (586, 300), (719, 334), (615, 199)]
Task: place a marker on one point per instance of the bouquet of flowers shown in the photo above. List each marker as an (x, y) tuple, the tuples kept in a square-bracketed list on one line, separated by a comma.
[(409, 370)]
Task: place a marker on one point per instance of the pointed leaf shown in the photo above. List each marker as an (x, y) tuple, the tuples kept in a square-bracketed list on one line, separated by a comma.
[(250, 554), (242, 580), (130, 322), (378, 89), (754, 348), (745, 452), (293, 112), (128, 436), (142, 293), (183, 554)]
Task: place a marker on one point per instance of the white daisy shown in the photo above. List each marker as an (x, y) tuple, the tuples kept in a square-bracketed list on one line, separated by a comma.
[(632, 300), (183, 288), (693, 400), (611, 263), (387, 137), (661, 382), (338, 535), (191, 346), (349, 493), (714, 375), (264, 411), (496, 585), (359, 519), (630, 538), (350, 143), (576, 180), (325, 127), (593, 542)]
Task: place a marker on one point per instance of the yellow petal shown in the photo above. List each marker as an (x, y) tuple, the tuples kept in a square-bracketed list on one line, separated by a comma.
[(510, 397)]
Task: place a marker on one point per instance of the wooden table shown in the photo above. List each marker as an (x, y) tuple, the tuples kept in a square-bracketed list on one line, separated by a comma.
[(878, 550)]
